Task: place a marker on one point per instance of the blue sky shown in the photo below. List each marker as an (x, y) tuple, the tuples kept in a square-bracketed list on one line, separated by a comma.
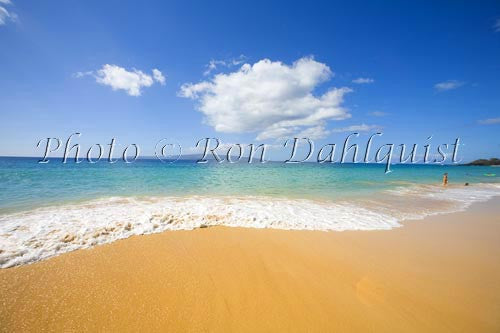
[(410, 70)]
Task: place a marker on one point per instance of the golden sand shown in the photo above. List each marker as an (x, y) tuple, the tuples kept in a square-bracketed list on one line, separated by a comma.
[(441, 274)]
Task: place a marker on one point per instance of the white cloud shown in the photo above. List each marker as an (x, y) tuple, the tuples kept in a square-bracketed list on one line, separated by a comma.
[(363, 80), (357, 128), (269, 98), (497, 26), (118, 78), (6, 15), (82, 74), (489, 121), (448, 85), (277, 132), (158, 76), (213, 64), (378, 114), (316, 132)]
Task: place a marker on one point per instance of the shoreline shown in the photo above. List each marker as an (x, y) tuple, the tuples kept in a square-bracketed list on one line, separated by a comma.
[(437, 274), (38, 234)]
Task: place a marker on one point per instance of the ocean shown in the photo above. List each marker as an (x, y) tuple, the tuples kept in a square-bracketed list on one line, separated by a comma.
[(53, 208)]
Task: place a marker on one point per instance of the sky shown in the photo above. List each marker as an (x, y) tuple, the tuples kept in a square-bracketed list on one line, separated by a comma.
[(250, 72)]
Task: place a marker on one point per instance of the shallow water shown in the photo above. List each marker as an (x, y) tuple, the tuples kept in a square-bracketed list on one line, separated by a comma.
[(47, 209)]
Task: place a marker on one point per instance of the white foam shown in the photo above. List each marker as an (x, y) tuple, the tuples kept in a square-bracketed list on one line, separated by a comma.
[(41, 233), (420, 201)]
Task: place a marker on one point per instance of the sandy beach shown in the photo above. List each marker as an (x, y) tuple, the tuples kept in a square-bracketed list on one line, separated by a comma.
[(218, 166), (440, 274)]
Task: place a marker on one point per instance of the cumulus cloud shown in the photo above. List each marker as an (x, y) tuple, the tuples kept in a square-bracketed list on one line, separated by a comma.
[(363, 80), (378, 114), (357, 128), (6, 15), (489, 121), (269, 98), (118, 78), (158, 76), (448, 85)]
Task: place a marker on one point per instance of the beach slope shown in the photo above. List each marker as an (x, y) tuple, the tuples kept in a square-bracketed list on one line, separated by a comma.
[(440, 274)]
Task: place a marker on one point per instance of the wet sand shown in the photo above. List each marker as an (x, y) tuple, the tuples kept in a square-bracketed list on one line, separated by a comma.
[(441, 274)]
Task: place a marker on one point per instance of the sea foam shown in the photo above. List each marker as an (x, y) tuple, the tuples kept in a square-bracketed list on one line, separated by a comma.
[(41, 233)]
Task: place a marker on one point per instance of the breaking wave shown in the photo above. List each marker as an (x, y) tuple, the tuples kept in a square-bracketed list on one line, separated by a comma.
[(41, 233)]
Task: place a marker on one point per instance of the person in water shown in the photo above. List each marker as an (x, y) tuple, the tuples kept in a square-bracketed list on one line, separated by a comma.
[(445, 179)]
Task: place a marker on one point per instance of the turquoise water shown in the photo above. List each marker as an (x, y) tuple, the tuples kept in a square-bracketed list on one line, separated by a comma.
[(50, 209), (25, 184)]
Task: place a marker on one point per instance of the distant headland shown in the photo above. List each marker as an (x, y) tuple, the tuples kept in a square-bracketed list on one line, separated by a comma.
[(483, 161)]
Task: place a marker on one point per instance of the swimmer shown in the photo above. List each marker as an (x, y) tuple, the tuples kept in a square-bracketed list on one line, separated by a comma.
[(445, 179)]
